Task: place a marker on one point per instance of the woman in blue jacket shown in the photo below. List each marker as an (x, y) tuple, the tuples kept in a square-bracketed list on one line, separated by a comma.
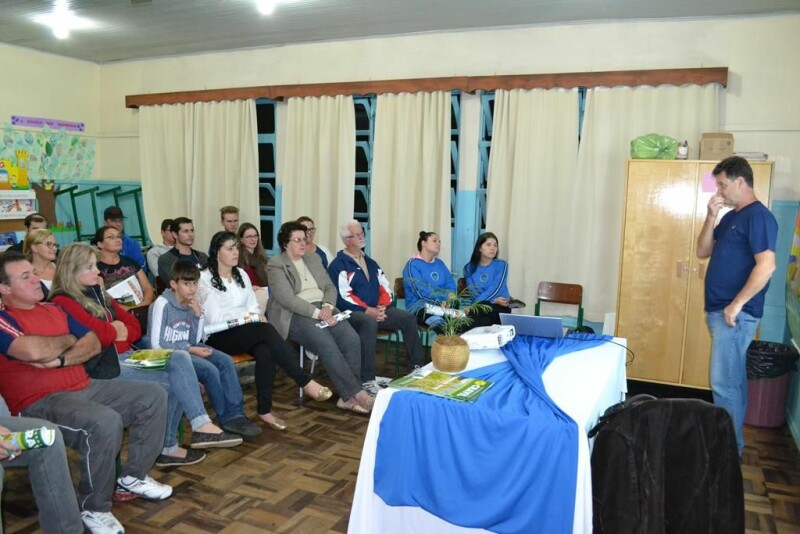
[(486, 275), (428, 282)]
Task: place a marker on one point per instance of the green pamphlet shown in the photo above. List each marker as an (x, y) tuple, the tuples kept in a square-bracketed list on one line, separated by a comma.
[(149, 359), (453, 387)]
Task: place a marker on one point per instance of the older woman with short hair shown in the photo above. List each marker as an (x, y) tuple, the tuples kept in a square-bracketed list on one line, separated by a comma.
[(302, 297)]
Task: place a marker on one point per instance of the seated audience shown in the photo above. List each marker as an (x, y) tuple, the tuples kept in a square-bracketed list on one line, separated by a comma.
[(364, 289), (34, 221), (253, 260), (486, 274), (182, 230), (428, 283), (301, 297), (226, 295), (176, 322), (42, 355), (48, 471), (155, 252), (131, 248), (41, 249), (311, 247), (116, 268), (76, 288)]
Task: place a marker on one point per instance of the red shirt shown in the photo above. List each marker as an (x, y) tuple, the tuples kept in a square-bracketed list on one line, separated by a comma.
[(103, 328), (22, 384)]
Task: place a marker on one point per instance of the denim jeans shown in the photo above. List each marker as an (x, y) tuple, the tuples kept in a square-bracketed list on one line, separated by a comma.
[(728, 368), (218, 374), (183, 393)]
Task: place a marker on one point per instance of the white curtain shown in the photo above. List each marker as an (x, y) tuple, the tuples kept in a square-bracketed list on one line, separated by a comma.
[(531, 184), (318, 164), (410, 176), (613, 117), (196, 158)]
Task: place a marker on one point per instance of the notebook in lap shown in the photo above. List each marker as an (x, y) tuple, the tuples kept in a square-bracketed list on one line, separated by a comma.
[(534, 325)]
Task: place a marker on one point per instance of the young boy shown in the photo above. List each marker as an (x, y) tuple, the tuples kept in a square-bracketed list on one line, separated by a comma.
[(176, 322)]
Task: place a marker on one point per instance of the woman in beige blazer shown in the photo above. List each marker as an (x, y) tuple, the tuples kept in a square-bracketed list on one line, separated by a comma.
[(301, 307)]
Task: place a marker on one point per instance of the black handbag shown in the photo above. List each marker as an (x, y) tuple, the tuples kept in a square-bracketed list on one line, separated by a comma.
[(105, 365)]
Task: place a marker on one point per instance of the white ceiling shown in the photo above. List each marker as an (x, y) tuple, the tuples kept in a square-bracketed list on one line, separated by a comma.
[(134, 29)]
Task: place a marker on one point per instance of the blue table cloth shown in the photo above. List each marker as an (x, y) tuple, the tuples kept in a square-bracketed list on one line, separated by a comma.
[(506, 463)]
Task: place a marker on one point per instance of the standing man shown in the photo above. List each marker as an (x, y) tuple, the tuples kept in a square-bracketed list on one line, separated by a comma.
[(182, 230), (155, 252), (131, 248), (363, 288), (742, 250)]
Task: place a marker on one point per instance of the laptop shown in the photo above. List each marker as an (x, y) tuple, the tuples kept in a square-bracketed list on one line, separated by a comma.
[(534, 325)]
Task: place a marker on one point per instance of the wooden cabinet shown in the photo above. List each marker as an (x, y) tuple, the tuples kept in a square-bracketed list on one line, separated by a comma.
[(661, 284)]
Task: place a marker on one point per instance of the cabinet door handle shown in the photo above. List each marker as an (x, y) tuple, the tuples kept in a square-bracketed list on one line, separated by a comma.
[(701, 271), (681, 268)]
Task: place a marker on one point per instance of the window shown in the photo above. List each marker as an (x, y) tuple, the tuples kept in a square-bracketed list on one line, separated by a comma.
[(267, 195)]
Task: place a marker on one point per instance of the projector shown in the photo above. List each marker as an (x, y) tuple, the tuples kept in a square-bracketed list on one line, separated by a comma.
[(488, 337)]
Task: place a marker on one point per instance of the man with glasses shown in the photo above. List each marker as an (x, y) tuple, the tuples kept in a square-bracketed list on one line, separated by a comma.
[(131, 248), (364, 289)]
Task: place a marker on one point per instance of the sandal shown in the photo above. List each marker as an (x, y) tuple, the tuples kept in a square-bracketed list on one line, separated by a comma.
[(352, 407)]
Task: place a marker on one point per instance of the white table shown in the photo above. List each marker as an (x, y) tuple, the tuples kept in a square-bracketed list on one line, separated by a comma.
[(582, 383)]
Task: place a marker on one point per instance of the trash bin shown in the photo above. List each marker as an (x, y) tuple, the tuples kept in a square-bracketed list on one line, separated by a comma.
[(769, 373)]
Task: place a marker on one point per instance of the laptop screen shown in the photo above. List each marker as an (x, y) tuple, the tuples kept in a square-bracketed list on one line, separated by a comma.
[(534, 325)]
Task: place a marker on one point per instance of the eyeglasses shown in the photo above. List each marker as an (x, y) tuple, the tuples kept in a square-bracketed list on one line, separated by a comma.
[(312, 229), (298, 240), (254, 236), (358, 235), (50, 245)]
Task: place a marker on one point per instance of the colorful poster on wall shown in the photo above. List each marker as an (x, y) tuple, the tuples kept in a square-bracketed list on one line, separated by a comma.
[(793, 285), (17, 204), (45, 156)]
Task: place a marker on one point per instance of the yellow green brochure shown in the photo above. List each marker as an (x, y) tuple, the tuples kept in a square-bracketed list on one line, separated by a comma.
[(445, 385), (150, 359)]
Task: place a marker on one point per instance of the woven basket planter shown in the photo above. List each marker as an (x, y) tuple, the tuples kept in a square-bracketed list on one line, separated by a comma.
[(450, 354)]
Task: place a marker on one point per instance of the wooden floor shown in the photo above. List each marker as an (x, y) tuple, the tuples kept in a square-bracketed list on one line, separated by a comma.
[(302, 480)]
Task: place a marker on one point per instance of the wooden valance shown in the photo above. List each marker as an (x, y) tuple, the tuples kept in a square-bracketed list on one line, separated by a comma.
[(467, 84)]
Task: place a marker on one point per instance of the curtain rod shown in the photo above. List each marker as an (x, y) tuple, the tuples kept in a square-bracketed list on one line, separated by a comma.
[(467, 84)]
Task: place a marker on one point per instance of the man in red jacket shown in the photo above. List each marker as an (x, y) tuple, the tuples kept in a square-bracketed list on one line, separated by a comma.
[(42, 352)]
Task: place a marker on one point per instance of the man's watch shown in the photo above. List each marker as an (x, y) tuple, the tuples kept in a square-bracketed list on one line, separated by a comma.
[(62, 359)]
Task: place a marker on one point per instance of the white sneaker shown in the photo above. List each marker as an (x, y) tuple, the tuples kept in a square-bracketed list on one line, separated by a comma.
[(147, 488), (101, 523), (382, 381)]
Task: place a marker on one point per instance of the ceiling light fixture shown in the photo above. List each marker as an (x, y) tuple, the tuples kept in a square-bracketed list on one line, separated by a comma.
[(61, 20), (266, 7)]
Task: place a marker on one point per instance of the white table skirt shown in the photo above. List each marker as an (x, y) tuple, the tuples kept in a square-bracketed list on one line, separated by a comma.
[(582, 383)]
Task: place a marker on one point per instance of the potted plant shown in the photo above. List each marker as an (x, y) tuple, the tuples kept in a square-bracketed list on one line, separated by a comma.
[(449, 352)]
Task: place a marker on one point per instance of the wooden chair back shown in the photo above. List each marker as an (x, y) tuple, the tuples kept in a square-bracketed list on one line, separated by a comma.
[(559, 293), (399, 288), (461, 285)]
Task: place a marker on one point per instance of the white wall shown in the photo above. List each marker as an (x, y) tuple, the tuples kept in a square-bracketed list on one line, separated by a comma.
[(760, 106), (36, 84)]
